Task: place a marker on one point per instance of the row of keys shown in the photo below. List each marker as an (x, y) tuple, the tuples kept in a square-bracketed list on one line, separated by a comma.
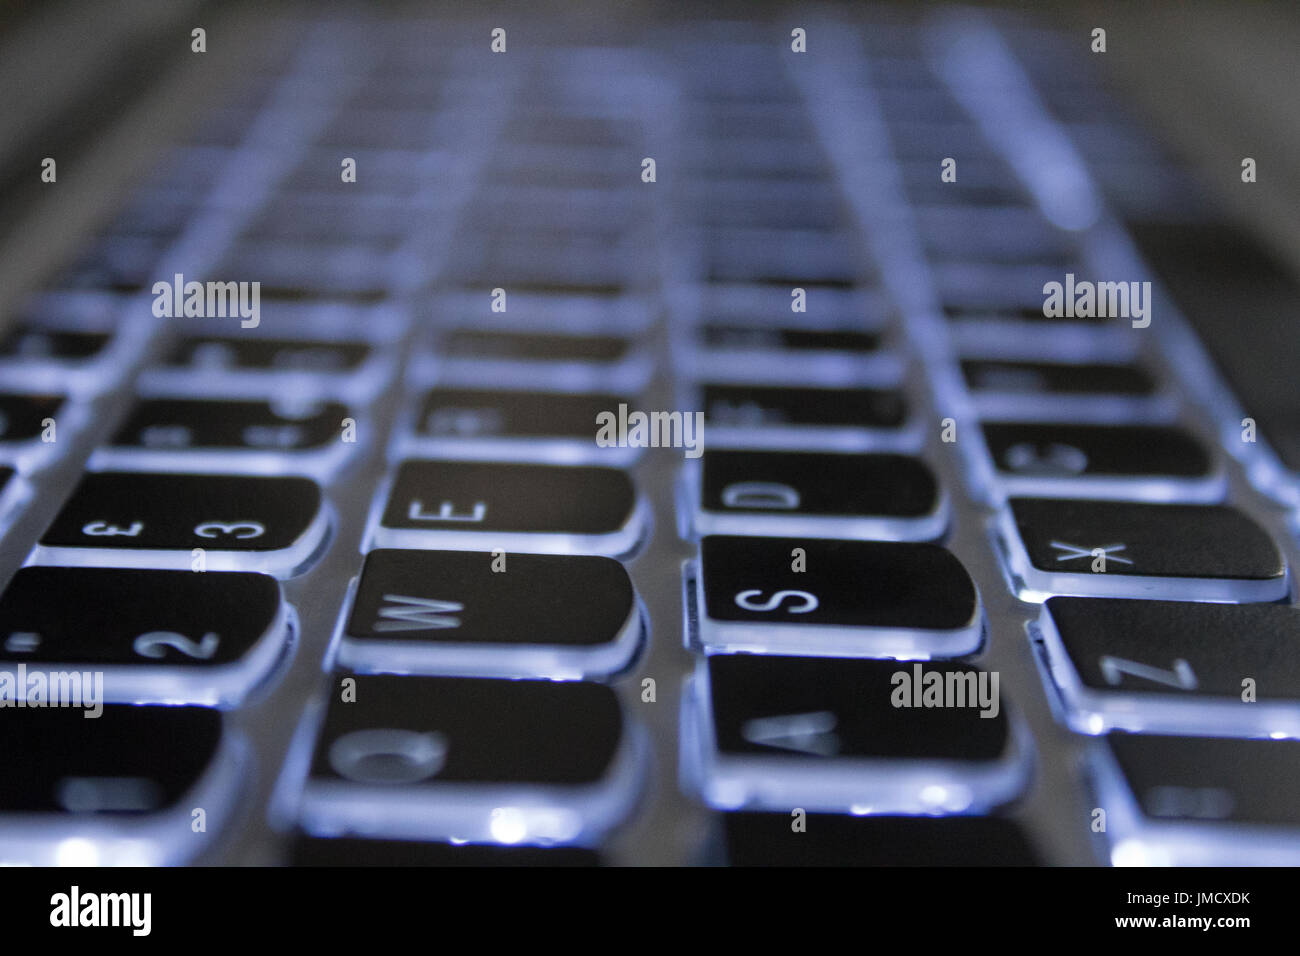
[(167, 431), (145, 784), (457, 612), (1099, 499), (278, 524), (539, 762), (122, 780), (554, 508), (463, 705), (736, 415), (813, 527)]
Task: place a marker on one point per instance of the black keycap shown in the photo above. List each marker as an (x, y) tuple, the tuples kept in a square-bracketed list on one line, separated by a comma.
[(1211, 779), (1050, 378), (129, 760), (837, 735), (885, 497), (437, 758), (1110, 451), (172, 636), (171, 424), (754, 406), (457, 612), (492, 731), (1181, 552), (477, 413), (156, 520), (851, 598), (768, 839), (37, 344), (515, 507), (534, 346), (119, 789), (748, 338), (215, 353), (23, 417), (345, 851), (1176, 666)]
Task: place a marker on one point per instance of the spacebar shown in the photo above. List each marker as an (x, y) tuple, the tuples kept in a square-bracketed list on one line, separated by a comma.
[(1245, 305)]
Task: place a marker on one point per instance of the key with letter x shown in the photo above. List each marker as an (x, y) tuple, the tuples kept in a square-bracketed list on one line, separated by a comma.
[(1131, 549)]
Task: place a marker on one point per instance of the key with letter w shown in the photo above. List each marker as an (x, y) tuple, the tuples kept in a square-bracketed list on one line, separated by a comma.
[(417, 614)]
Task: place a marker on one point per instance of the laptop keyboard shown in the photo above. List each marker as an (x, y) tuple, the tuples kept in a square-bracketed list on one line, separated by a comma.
[(361, 583)]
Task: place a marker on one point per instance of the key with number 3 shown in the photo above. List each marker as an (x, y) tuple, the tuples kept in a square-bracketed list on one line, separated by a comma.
[(187, 522)]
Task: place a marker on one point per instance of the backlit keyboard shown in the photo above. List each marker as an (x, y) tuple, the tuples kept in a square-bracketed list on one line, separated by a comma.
[(654, 443)]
